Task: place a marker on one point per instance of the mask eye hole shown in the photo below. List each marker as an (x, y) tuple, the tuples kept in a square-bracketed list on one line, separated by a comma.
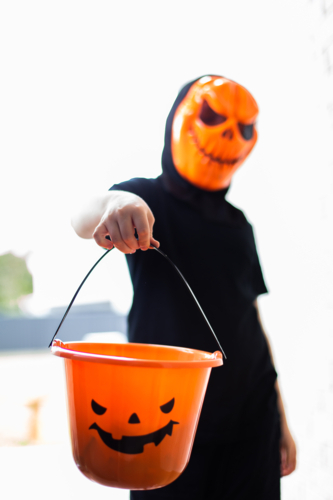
[(168, 406), (209, 117), (246, 131), (98, 409)]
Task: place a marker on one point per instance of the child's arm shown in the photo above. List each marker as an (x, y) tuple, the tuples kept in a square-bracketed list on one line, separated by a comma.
[(287, 443), (116, 214)]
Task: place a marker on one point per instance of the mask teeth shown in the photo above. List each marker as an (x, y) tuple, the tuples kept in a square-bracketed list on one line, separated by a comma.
[(216, 150), (225, 150)]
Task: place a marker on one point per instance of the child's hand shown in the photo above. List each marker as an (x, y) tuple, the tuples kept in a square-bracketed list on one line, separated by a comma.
[(126, 212), (287, 452)]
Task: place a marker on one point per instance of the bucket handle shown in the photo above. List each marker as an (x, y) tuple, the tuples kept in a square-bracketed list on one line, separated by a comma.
[(173, 265)]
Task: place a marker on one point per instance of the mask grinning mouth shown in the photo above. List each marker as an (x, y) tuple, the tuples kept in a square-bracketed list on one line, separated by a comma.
[(210, 156)]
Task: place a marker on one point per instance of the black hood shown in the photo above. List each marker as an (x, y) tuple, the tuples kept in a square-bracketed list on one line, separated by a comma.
[(211, 204)]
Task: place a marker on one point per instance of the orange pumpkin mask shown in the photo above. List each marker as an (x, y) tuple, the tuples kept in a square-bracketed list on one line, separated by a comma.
[(213, 132)]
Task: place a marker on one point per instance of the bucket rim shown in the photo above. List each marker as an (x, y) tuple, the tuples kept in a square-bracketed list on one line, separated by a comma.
[(210, 360)]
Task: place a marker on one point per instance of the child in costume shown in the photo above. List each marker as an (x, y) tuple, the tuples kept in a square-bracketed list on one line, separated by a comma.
[(243, 444)]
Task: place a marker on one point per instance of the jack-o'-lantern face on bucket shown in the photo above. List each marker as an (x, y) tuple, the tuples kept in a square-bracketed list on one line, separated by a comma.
[(133, 409), (133, 445), (213, 132)]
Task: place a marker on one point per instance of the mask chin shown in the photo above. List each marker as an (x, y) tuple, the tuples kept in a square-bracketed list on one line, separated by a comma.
[(209, 180), (213, 132)]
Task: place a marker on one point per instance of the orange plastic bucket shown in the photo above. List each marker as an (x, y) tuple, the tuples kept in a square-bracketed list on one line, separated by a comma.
[(133, 409)]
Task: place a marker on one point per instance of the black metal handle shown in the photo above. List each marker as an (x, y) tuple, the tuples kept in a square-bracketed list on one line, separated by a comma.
[(193, 297), (173, 265), (76, 294)]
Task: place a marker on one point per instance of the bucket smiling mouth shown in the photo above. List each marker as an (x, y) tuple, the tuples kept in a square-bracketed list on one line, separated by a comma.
[(133, 445)]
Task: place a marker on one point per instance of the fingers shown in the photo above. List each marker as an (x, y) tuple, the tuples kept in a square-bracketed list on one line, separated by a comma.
[(289, 466), (125, 242), (288, 457), (283, 461), (143, 222), (122, 234), (120, 225), (101, 236), (154, 242)]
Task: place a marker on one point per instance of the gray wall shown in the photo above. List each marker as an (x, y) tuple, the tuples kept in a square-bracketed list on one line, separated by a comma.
[(36, 332)]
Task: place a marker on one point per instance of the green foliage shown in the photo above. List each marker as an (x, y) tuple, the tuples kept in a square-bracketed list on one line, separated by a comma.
[(15, 282)]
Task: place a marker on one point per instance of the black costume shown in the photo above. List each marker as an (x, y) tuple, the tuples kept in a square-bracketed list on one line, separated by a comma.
[(236, 451)]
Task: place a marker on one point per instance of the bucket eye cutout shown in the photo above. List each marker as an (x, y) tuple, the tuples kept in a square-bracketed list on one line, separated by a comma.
[(98, 409), (167, 407)]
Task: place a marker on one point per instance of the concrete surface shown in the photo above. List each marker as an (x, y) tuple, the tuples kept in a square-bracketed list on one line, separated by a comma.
[(48, 471)]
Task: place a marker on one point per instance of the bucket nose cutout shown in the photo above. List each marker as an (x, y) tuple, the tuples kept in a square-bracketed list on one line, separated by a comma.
[(134, 419)]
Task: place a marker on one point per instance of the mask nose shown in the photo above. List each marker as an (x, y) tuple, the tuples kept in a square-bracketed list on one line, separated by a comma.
[(228, 134), (134, 419)]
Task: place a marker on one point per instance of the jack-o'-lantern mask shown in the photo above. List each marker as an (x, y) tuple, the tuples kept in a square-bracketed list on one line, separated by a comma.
[(213, 132)]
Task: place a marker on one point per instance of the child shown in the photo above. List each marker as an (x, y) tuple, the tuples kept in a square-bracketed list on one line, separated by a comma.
[(243, 443)]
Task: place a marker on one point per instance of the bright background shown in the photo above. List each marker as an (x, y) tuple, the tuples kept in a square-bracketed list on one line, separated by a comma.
[(84, 95)]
